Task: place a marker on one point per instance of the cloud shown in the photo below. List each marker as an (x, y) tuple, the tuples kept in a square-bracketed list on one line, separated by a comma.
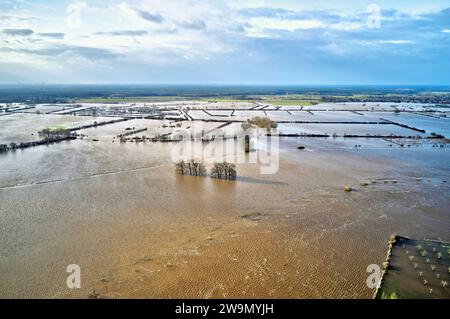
[(347, 26), (124, 33), (147, 16), (18, 32), (287, 25), (55, 35), (329, 16), (292, 21), (396, 41), (194, 25), (53, 51), (17, 17), (290, 35), (156, 18)]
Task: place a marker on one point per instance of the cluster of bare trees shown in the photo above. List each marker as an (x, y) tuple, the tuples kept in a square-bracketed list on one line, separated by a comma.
[(262, 122), (258, 121), (191, 168), (222, 170), (54, 133)]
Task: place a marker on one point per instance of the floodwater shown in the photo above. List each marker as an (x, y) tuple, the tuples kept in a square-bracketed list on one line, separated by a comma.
[(418, 269), (138, 230), (25, 127)]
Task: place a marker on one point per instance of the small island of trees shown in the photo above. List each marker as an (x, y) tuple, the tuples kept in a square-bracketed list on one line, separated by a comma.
[(192, 168), (224, 170)]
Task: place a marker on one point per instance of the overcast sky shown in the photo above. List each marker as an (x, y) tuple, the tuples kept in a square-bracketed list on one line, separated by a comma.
[(225, 42)]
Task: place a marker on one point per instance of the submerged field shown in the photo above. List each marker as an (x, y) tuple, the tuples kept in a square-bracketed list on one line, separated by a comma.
[(139, 230), (418, 268)]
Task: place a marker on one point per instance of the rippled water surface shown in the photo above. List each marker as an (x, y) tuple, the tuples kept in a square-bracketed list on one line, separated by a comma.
[(139, 230)]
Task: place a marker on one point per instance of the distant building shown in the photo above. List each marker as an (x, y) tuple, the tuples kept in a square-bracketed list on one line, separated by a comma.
[(3, 148)]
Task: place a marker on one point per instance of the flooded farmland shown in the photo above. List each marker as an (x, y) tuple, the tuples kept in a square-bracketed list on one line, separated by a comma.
[(139, 230)]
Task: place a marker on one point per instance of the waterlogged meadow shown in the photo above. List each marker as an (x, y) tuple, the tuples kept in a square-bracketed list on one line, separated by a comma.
[(112, 202)]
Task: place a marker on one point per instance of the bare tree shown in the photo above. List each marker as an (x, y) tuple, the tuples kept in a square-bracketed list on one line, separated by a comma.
[(192, 168), (224, 170)]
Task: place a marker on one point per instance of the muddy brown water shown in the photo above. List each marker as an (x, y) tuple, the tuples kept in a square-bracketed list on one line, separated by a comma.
[(139, 230)]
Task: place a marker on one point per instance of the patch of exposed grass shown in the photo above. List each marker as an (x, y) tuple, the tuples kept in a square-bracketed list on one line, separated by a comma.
[(214, 100), (138, 99), (389, 295), (56, 128), (286, 102)]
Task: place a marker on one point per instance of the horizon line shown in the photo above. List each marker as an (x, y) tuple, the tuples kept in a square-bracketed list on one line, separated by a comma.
[(223, 84)]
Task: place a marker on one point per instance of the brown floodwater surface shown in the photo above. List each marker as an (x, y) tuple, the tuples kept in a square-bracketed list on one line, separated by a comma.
[(139, 230)]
